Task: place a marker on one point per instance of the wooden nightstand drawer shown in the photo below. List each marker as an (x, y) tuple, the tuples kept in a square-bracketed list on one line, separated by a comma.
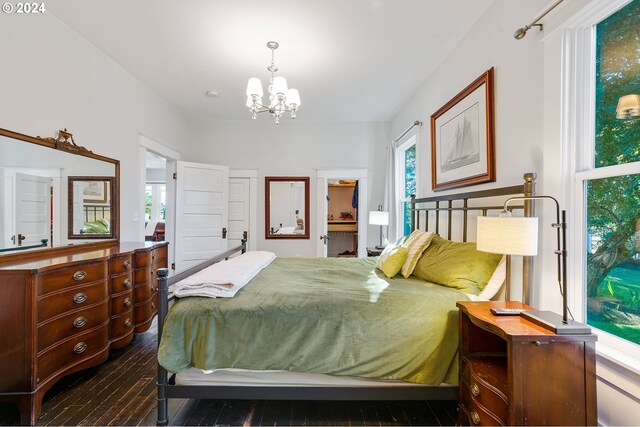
[(484, 378), (477, 415)]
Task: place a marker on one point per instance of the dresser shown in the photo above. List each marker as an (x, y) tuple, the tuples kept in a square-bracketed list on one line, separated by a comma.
[(513, 372), (62, 314)]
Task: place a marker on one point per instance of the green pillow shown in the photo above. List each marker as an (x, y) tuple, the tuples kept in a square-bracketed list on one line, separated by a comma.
[(392, 259), (457, 265)]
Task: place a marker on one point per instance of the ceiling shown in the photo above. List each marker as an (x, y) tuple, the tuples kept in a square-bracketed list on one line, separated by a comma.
[(351, 60)]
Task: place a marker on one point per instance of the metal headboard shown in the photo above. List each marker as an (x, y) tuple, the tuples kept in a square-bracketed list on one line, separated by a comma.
[(450, 203)]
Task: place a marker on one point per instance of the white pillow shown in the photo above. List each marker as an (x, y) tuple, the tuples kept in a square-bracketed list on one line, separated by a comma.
[(496, 281)]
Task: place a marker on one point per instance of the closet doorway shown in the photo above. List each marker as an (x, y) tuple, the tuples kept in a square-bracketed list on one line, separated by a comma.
[(342, 212)]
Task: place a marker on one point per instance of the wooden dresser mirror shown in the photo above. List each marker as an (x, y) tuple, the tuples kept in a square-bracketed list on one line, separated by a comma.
[(286, 207), (40, 208)]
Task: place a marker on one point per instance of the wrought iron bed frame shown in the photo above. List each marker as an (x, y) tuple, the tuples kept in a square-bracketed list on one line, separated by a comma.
[(168, 389)]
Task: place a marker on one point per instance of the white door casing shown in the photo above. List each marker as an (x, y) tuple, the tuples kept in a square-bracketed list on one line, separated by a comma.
[(239, 207), (202, 201), (33, 208), (249, 176)]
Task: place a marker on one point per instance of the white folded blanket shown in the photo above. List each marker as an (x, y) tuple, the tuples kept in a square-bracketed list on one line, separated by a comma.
[(225, 278)]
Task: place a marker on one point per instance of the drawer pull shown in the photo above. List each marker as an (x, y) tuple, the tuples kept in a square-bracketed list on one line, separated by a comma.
[(79, 322), (475, 417), (128, 323), (127, 265), (79, 298), (127, 283), (127, 302), (153, 306), (153, 272), (79, 275), (475, 390), (80, 347)]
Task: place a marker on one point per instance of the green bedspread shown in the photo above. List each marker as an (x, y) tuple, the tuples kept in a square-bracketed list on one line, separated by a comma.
[(334, 316)]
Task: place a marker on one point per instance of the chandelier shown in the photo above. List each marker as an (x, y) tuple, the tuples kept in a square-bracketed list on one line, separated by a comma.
[(281, 98)]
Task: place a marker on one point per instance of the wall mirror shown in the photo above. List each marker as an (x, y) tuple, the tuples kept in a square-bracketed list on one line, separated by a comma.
[(286, 207), (90, 207), (36, 192)]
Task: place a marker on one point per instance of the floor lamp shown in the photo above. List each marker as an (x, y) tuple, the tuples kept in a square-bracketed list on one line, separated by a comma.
[(519, 236)]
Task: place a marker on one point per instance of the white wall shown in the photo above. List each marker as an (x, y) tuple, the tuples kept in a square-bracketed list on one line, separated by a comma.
[(529, 137), (294, 148), (51, 78), (518, 83)]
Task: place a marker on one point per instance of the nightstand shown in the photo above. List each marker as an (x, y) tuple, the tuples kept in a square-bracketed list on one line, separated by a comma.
[(373, 251), (514, 372)]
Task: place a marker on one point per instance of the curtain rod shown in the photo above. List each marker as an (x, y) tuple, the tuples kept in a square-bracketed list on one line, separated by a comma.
[(416, 123), (521, 32)]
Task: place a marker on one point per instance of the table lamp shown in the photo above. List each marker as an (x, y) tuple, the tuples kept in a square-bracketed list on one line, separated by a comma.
[(379, 218), (519, 236)]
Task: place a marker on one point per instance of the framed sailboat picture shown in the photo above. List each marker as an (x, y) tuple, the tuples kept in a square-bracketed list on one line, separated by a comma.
[(462, 137)]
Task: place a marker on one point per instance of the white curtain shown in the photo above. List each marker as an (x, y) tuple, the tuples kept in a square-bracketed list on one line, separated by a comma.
[(390, 196)]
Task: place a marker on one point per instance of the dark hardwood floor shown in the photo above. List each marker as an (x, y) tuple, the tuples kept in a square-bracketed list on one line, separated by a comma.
[(122, 391)]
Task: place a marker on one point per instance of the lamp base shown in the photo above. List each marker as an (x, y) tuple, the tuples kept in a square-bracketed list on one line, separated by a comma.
[(553, 322)]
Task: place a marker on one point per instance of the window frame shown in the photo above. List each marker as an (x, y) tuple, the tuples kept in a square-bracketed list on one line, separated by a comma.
[(578, 127), (401, 147)]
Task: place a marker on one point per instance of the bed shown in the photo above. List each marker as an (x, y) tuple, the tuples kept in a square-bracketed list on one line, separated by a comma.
[(329, 345)]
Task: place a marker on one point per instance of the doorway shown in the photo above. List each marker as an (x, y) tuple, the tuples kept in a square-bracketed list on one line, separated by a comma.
[(157, 165), (342, 207)]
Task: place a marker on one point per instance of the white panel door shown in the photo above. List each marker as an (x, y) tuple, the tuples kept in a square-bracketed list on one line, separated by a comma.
[(202, 198), (33, 208), (239, 208)]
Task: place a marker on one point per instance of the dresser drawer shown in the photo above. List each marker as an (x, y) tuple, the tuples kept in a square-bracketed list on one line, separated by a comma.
[(145, 311), (121, 283), (75, 350), (144, 292), (159, 254), (121, 303), (143, 259), (121, 325), (73, 323), (121, 264), (71, 276), (142, 275), (71, 299), (484, 381)]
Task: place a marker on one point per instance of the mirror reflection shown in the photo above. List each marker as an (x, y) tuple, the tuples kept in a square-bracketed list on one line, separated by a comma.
[(90, 207), (287, 207), (34, 203)]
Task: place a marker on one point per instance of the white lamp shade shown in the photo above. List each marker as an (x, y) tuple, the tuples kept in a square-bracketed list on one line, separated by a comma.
[(293, 97), (378, 218), (508, 235), (279, 86), (254, 87), (628, 106)]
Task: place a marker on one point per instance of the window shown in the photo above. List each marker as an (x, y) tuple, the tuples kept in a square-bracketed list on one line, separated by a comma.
[(406, 167), (155, 202), (611, 182)]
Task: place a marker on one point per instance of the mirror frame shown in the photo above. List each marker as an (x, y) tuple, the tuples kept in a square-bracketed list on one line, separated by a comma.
[(112, 213), (267, 204), (65, 143)]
